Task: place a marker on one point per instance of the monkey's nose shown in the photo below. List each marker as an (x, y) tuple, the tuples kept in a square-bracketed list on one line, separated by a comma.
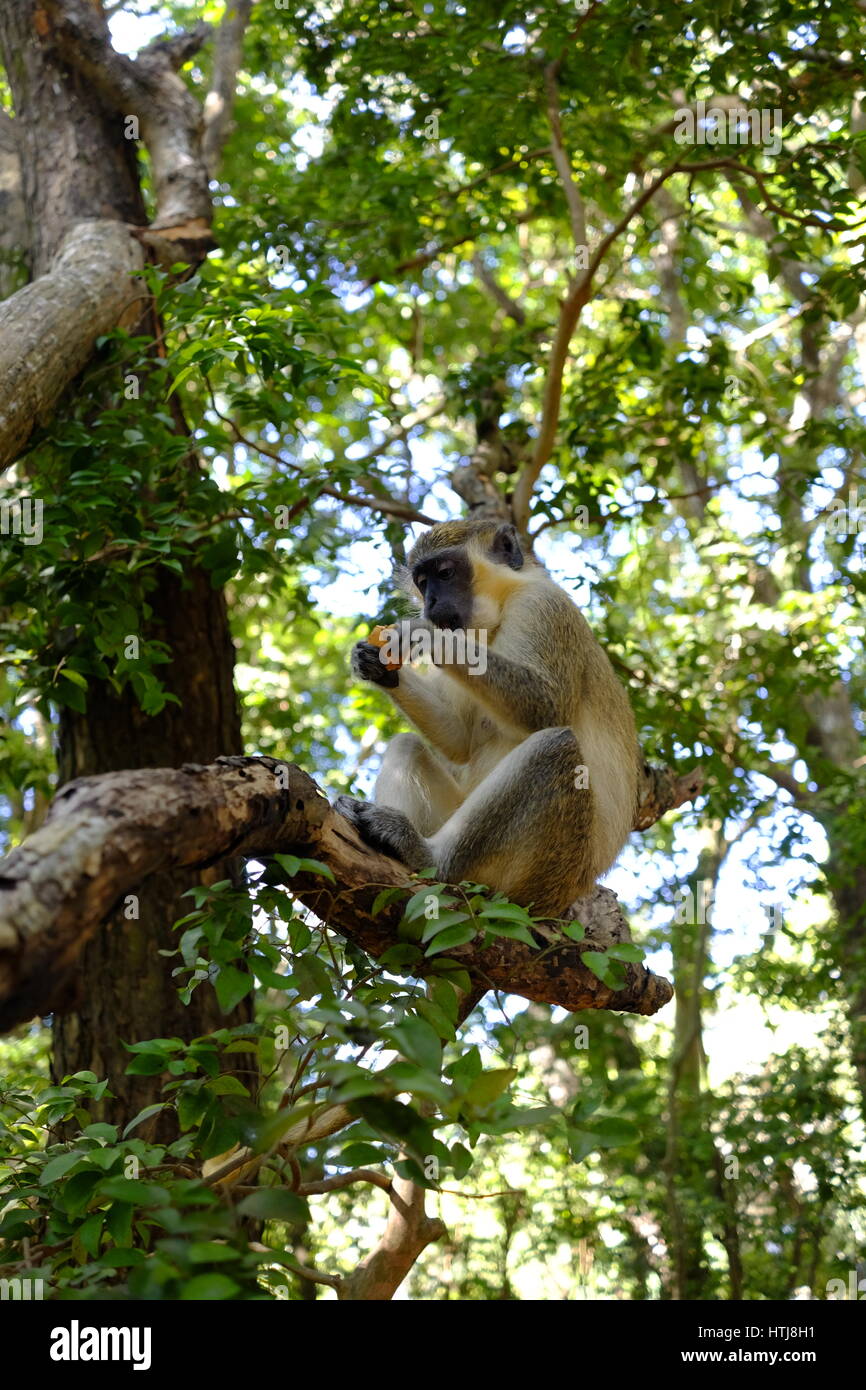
[(445, 617)]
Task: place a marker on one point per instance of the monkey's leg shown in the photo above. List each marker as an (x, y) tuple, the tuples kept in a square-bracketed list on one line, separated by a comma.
[(415, 793), (527, 829), (413, 780)]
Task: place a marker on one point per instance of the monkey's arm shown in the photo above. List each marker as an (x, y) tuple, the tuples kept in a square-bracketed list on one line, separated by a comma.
[(424, 699), (534, 664), (516, 695)]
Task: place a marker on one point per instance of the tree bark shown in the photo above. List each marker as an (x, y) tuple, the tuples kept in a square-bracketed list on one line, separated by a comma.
[(48, 330), (105, 835), (72, 96), (125, 991)]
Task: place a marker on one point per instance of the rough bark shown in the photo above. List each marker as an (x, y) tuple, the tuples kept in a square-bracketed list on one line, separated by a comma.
[(136, 996), (14, 232), (48, 330), (105, 836), (72, 95), (148, 88)]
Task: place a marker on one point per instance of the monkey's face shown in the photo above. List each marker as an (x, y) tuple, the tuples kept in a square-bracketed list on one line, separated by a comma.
[(444, 581)]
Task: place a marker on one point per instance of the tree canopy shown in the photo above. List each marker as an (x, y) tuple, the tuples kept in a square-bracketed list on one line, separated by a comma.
[(599, 269)]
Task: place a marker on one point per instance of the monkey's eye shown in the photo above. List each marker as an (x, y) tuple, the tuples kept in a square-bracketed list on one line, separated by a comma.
[(447, 572), (421, 582)]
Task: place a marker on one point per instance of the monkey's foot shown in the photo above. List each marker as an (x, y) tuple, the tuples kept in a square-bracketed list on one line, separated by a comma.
[(386, 830)]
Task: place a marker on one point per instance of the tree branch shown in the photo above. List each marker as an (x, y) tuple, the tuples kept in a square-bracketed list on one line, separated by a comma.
[(220, 100), (386, 506), (508, 305), (48, 329), (104, 835), (408, 1232), (569, 315), (147, 87), (336, 1184), (576, 209)]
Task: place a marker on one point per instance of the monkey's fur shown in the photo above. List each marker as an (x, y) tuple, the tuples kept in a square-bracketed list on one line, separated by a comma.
[(502, 799)]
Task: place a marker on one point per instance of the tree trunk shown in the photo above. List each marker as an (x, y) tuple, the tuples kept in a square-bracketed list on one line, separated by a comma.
[(127, 991), (78, 166), (694, 1171)]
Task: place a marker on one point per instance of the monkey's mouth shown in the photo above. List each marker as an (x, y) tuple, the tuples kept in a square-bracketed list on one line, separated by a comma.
[(449, 622)]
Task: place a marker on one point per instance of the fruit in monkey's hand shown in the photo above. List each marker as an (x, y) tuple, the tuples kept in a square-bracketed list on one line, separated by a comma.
[(378, 638)]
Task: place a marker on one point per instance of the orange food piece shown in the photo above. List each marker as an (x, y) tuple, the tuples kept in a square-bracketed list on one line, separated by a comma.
[(378, 638)]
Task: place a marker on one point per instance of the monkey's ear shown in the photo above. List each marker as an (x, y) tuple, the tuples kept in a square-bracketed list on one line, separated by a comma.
[(505, 548)]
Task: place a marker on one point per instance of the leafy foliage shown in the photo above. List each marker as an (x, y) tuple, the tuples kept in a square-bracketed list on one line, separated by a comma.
[(394, 243)]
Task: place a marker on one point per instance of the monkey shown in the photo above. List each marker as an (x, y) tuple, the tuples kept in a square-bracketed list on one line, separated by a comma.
[(527, 782)]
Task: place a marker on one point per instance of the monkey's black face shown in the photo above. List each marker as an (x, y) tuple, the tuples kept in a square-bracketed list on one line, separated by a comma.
[(445, 581)]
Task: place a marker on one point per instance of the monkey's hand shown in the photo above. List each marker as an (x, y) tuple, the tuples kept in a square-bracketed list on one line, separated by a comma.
[(368, 665), (386, 830)]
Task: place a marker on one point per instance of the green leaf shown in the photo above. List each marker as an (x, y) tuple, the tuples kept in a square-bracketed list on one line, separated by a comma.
[(75, 676), (101, 1131), (581, 1143), (226, 1086), (615, 1131), (627, 952), (417, 1040), (437, 1018), (293, 865), (122, 1258), (202, 1252), (209, 1287), (89, 1232), (488, 1087), (467, 1067), (147, 1064), (449, 938), (574, 930), (435, 925), (504, 912), (78, 1191), (359, 1155), (384, 899), (513, 931), (275, 1204), (609, 972), (57, 1167), (143, 1115), (232, 985)]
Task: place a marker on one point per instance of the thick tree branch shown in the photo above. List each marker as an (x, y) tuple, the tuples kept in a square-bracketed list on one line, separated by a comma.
[(661, 790), (147, 87), (240, 1164), (49, 328), (14, 222), (104, 836)]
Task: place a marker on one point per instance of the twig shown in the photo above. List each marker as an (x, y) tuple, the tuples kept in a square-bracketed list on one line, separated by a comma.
[(569, 314), (314, 1189), (350, 499), (576, 208)]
